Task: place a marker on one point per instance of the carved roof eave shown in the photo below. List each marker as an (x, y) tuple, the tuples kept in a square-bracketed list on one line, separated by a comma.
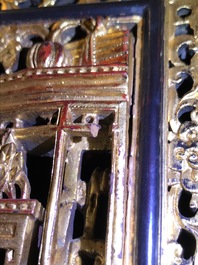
[(31, 86)]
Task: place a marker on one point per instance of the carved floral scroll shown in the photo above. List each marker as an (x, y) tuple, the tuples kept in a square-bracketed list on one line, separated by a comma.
[(13, 168), (21, 4), (182, 139)]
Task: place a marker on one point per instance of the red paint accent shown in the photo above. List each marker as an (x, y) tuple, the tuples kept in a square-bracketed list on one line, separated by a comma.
[(44, 52), (63, 115), (125, 97), (58, 53)]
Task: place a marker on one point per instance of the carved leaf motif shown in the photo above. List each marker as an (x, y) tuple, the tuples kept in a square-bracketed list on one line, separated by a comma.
[(182, 196), (13, 170), (13, 38)]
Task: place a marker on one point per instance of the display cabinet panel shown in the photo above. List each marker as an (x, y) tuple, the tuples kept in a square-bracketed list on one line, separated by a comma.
[(81, 120)]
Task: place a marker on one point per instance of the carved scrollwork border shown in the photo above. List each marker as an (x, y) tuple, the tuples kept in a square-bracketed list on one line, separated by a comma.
[(22, 4), (180, 133)]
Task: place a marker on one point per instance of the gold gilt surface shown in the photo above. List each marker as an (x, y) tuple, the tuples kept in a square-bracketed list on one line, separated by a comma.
[(69, 103), (180, 134), (20, 4), (81, 94)]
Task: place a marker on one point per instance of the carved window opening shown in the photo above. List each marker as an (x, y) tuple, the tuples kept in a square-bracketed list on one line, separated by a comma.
[(97, 164), (39, 171)]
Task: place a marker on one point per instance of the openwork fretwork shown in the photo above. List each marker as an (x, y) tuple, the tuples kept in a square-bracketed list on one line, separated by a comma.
[(21, 4), (182, 152)]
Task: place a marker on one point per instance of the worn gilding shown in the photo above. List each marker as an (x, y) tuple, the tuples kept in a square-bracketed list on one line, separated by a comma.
[(69, 104), (180, 191)]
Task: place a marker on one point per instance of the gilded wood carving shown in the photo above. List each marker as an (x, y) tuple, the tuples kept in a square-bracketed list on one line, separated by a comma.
[(66, 90), (180, 207)]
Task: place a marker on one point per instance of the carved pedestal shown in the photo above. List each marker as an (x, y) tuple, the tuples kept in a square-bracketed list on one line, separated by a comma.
[(19, 225)]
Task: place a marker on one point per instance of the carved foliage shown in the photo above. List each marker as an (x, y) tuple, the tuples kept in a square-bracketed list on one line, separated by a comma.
[(63, 43), (183, 137), (20, 4), (13, 39), (13, 169)]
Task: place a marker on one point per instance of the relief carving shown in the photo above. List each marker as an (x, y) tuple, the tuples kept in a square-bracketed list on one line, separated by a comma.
[(182, 155), (20, 4), (88, 79), (89, 245), (183, 177), (13, 39), (60, 46), (13, 169)]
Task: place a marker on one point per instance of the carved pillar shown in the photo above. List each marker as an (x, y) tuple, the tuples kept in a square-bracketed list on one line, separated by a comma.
[(20, 216)]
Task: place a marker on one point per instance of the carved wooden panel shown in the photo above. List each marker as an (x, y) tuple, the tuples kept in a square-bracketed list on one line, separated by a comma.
[(98, 132), (66, 89), (180, 131)]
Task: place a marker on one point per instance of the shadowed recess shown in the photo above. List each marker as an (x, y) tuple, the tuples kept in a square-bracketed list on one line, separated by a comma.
[(78, 227), (2, 256), (188, 243), (184, 29), (184, 85), (86, 258), (184, 204), (101, 217), (39, 174), (93, 159), (184, 12), (185, 54), (184, 114)]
